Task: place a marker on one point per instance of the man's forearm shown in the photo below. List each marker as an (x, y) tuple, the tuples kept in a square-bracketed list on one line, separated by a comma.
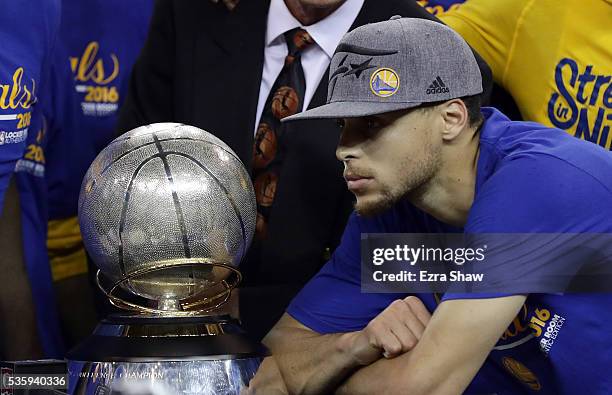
[(447, 357), (360, 383), (374, 379), (412, 373), (311, 363)]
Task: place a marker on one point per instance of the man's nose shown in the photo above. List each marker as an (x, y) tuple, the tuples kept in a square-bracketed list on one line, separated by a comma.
[(348, 145)]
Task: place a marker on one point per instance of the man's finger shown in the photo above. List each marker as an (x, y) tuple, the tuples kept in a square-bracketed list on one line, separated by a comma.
[(400, 314), (412, 323), (406, 325), (386, 340), (404, 334), (418, 309)]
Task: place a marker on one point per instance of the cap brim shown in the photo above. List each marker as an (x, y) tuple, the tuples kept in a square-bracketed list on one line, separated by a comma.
[(349, 110)]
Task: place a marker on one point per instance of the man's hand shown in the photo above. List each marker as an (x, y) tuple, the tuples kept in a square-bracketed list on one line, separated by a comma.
[(393, 332), (267, 381), (313, 363), (230, 4), (459, 336)]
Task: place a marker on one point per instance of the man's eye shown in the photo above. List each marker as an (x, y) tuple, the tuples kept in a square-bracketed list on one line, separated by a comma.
[(340, 123), (373, 124)]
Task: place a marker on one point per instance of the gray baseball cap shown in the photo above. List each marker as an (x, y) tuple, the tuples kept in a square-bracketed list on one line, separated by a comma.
[(395, 65)]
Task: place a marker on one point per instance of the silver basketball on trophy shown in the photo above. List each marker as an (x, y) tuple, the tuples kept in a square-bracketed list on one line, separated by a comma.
[(167, 212)]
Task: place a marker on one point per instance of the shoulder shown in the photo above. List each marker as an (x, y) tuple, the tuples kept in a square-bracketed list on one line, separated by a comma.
[(557, 155), (541, 192), (505, 140), (535, 178)]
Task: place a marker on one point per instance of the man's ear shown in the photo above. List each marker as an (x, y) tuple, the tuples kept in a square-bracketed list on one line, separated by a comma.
[(455, 116)]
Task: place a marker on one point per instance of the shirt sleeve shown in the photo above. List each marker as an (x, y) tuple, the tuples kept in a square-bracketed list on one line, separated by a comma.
[(540, 210), (332, 301), (489, 27)]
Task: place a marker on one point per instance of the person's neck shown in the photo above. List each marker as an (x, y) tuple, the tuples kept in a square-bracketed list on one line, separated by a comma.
[(308, 15), (449, 195)]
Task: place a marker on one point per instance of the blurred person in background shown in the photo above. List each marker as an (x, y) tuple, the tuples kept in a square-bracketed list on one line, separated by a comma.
[(235, 74), (553, 57), (29, 326), (437, 7), (97, 45), (500, 98)]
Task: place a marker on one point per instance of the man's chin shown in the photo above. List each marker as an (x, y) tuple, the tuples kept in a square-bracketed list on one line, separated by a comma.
[(372, 207)]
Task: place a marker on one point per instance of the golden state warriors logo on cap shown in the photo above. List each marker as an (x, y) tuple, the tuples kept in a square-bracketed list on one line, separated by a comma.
[(384, 82)]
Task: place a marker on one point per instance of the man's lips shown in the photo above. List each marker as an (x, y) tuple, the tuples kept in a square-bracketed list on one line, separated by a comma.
[(356, 181)]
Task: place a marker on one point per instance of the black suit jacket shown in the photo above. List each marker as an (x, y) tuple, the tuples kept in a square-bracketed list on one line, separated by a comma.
[(202, 65)]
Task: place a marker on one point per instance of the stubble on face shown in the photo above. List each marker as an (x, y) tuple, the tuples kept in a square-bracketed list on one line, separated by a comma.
[(409, 178)]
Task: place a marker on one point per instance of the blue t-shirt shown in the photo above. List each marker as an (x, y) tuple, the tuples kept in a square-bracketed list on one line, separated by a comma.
[(98, 43), (530, 179), (27, 34), (28, 30)]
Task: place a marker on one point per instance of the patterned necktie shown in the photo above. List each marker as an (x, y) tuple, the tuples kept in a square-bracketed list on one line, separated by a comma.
[(286, 98)]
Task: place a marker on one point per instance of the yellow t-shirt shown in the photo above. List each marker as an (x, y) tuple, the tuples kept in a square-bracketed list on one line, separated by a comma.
[(553, 56), (65, 248)]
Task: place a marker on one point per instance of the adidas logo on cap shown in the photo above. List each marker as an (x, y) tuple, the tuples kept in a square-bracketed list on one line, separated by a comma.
[(437, 86)]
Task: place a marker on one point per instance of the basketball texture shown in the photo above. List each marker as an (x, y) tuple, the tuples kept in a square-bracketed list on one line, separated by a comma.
[(165, 192)]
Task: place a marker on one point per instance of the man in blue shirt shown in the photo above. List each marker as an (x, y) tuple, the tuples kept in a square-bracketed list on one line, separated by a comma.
[(420, 157), (29, 324)]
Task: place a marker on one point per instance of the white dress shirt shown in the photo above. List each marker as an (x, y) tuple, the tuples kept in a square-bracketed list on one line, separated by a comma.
[(326, 33)]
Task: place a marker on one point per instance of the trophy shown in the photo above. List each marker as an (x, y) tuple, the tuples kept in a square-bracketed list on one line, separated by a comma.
[(167, 212)]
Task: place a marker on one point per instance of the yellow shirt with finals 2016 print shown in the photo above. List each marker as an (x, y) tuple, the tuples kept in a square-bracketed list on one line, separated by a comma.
[(553, 56)]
